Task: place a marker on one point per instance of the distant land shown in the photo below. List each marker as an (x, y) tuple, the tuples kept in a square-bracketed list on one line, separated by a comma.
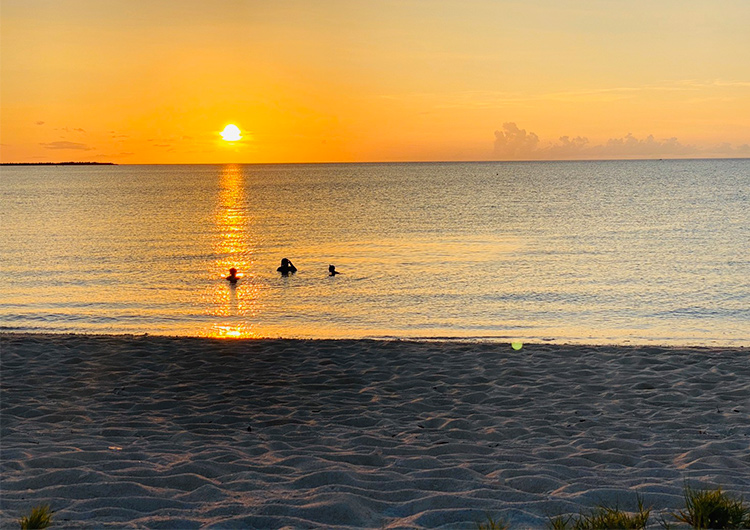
[(58, 164)]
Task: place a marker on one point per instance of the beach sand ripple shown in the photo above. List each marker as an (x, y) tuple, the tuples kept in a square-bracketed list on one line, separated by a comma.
[(156, 432)]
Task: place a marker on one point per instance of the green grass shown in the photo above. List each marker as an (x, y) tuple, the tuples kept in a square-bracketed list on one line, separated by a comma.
[(40, 517), (561, 522), (712, 509), (603, 517), (493, 524), (704, 509)]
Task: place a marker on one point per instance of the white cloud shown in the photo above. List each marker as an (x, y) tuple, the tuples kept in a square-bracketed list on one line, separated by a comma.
[(514, 143)]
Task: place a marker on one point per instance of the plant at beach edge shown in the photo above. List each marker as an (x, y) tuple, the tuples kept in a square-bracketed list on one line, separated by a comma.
[(712, 509), (40, 517), (604, 517)]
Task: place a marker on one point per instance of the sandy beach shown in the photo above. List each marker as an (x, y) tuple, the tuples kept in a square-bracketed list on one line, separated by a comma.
[(156, 432)]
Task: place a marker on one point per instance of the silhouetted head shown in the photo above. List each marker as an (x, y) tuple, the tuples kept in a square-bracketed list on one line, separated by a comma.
[(286, 267), (331, 268), (233, 272)]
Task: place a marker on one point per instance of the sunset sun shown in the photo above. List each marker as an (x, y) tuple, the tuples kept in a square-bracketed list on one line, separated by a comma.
[(231, 133)]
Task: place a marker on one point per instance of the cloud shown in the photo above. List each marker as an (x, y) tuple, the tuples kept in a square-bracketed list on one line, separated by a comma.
[(68, 129), (513, 143), (649, 146), (40, 123), (727, 149), (66, 145), (106, 156)]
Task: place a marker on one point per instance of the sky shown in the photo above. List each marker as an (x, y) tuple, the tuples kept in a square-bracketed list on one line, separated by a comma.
[(156, 81)]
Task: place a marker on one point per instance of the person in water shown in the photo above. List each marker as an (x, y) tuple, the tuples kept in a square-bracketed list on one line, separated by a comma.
[(232, 278), (332, 270), (286, 267)]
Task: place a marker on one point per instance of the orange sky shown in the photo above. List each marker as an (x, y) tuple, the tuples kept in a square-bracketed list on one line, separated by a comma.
[(155, 81)]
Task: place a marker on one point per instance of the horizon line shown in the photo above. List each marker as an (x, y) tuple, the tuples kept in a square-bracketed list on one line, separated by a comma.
[(486, 161)]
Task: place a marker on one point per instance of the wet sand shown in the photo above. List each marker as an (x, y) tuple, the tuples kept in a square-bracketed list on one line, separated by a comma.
[(156, 432)]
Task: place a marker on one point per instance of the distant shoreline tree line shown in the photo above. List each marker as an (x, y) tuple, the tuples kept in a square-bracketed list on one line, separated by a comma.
[(58, 164)]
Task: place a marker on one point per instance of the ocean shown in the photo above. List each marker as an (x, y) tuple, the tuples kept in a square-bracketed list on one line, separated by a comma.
[(596, 252)]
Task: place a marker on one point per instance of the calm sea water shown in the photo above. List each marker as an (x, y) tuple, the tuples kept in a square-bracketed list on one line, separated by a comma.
[(590, 252)]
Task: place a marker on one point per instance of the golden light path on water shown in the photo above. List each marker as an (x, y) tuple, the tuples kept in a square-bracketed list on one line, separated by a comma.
[(234, 303), (517, 252)]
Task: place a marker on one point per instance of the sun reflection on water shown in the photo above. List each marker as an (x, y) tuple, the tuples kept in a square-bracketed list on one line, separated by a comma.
[(234, 248), (236, 331)]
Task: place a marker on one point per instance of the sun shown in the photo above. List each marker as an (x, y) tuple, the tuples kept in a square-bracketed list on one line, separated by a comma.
[(231, 133)]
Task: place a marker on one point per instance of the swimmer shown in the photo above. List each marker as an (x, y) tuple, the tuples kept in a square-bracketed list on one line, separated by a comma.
[(232, 278), (332, 270), (286, 267)]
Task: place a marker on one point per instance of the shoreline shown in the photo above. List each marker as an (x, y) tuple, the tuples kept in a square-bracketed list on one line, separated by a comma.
[(498, 341), (191, 432)]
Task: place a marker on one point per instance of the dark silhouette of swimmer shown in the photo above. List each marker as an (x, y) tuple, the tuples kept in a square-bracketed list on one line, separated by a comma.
[(286, 267), (332, 270), (232, 278)]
